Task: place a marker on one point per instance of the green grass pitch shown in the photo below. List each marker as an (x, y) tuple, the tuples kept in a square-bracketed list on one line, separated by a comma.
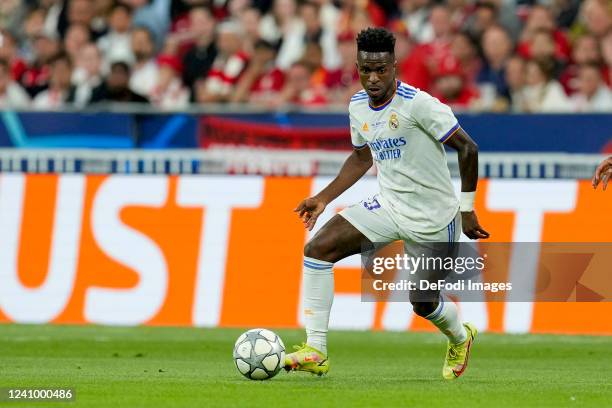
[(184, 367)]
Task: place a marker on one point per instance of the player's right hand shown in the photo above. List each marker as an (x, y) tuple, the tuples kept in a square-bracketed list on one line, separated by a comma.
[(309, 210)]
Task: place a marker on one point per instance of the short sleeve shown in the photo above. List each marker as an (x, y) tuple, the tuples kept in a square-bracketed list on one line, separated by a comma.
[(436, 118), (357, 139)]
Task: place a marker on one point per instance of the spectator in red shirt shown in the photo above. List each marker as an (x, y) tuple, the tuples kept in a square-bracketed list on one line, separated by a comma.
[(541, 20), (299, 88), (463, 49), (12, 96), (313, 55), (585, 51), (262, 80), (36, 76), (451, 87), (8, 52), (343, 82), (426, 58), (169, 92), (542, 48)]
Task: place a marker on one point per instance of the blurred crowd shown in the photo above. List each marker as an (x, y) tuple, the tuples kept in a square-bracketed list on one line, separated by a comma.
[(480, 55)]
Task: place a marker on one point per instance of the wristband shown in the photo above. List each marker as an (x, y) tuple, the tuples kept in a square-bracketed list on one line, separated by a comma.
[(467, 201)]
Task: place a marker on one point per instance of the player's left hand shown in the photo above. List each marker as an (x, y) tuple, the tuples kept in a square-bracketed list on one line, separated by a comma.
[(471, 227), (603, 173)]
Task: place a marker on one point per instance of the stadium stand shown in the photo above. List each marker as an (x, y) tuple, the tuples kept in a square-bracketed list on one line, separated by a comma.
[(485, 55)]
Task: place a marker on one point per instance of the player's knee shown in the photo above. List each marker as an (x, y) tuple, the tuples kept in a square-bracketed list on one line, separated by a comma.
[(319, 249), (423, 309)]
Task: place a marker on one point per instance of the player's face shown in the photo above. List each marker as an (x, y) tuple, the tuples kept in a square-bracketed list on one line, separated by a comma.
[(377, 74)]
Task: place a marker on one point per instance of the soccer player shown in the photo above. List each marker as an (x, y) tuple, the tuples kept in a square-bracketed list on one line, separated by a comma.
[(403, 131), (603, 173)]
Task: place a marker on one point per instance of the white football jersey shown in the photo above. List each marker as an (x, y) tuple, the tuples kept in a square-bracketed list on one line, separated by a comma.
[(406, 137)]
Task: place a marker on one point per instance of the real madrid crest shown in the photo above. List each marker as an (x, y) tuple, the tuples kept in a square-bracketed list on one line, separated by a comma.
[(393, 121)]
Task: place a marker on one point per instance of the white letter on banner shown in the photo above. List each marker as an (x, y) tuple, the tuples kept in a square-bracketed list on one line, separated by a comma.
[(529, 200), (42, 304), (218, 194), (130, 247)]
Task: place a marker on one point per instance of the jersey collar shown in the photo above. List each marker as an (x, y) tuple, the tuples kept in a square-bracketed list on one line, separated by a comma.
[(387, 102)]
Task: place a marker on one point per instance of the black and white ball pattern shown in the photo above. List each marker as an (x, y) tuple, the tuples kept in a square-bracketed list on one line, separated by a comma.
[(259, 354)]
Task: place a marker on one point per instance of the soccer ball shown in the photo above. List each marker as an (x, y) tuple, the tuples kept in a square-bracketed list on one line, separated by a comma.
[(259, 354)]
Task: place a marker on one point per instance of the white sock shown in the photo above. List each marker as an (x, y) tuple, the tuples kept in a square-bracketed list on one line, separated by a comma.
[(318, 299), (446, 318)]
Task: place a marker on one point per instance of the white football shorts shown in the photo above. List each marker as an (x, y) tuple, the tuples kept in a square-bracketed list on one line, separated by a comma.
[(374, 221)]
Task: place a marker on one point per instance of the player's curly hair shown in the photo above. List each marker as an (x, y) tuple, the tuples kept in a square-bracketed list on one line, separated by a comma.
[(376, 40)]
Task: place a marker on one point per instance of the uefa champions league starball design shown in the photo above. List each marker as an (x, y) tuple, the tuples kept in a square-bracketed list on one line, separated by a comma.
[(259, 354)]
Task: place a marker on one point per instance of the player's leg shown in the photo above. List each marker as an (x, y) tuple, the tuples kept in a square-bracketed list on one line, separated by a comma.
[(444, 315), (440, 312), (335, 241), (428, 303), (340, 237)]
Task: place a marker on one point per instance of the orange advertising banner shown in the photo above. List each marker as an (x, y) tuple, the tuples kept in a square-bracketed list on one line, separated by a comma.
[(227, 251)]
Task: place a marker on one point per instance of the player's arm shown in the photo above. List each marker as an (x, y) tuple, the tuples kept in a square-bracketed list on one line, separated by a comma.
[(355, 166), (603, 173), (468, 168)]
